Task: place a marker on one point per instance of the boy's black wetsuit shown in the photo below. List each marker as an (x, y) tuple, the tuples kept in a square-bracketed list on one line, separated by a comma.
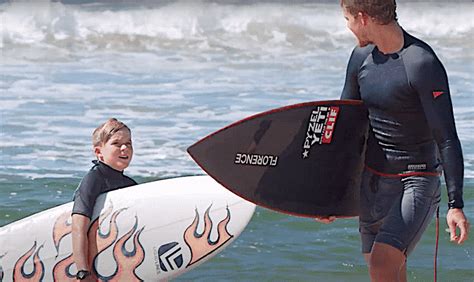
[(410, 113), (101, 178)]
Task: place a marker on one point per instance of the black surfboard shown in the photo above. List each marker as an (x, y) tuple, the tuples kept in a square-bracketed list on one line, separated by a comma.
[(304, 159)]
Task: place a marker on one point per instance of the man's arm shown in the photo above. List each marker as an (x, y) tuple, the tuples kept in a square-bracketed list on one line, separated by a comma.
[(351, 84), (350, 91), (430, 81), (428, 77)]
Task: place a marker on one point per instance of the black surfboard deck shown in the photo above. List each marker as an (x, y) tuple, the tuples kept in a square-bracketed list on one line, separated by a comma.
[(304, 159)]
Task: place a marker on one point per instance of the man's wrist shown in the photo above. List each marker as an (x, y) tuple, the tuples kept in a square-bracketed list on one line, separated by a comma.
[(456, 204)]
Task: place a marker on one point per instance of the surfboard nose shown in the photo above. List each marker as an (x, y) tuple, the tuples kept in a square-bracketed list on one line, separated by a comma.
[(304, 159)]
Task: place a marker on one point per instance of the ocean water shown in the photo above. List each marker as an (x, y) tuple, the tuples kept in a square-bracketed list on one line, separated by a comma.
[(175, 71)]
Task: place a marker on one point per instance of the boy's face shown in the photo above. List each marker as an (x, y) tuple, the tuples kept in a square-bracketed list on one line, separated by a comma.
[(118, 151)]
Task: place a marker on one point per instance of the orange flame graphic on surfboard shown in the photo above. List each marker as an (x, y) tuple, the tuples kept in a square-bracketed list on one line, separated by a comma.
[(128, 261), (1, 269), (38, 267), (201, 245), (98, 242), (62, 227)]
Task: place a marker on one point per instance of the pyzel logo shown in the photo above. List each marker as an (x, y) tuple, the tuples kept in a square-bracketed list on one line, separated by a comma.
[(320, 127)]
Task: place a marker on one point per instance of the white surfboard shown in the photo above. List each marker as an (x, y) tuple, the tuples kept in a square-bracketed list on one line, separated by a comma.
[(153, 231)]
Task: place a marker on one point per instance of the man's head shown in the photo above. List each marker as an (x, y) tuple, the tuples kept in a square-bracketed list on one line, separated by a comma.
[(112, 143), (363, 15), (381, 11)]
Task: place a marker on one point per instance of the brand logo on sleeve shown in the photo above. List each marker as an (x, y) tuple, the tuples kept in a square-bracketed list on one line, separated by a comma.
[(320, 127), (436, 94)]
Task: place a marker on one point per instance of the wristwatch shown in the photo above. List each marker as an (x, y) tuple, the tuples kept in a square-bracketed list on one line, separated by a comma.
[(82, 274)]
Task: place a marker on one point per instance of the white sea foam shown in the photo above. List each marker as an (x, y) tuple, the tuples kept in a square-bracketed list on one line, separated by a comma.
[(178, 71), (57, 30)]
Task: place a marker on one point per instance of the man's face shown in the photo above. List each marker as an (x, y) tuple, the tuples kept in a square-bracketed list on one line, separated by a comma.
[(358, 26)]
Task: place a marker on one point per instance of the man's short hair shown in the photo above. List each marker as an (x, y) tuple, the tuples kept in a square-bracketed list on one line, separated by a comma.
[(382, 11)]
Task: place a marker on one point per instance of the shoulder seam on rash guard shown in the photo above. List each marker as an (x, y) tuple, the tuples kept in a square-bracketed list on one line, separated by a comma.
[(365, 57), (99, 177), (427, 52), (370, 49), (406, 73)]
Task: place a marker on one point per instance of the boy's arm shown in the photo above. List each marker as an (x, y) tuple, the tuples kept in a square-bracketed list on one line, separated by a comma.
[(84, 200), (80, 244)]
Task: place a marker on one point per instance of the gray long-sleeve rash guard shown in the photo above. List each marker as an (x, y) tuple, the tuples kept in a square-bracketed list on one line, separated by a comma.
[(410, 112)]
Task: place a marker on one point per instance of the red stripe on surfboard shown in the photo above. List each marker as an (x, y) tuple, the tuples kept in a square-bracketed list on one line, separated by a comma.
[(403, 174)]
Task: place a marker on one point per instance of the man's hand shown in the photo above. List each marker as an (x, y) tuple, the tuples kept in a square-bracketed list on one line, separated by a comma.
[(325, 219), (456, 219)]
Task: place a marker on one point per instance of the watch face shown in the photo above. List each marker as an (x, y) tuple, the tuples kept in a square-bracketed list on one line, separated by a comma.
[(82, 274)]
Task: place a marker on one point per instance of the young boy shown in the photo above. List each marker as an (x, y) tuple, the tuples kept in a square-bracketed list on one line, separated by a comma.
[(112, 142)]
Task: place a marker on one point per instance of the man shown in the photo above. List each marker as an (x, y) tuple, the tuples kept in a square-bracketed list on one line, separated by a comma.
[(405, 88)]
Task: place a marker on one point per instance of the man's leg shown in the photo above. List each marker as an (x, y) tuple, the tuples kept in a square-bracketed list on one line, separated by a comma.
[(403, 227), (386, 263), (402, 276)]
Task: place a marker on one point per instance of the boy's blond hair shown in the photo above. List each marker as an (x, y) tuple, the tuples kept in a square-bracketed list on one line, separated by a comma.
[(105, 131)]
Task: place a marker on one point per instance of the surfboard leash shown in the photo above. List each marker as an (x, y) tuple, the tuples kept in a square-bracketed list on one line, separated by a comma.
[(436, 247)]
